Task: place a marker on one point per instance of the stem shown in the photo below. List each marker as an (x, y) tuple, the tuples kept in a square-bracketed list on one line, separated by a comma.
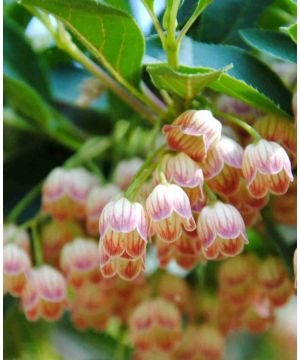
[(37, 249), (145, 171), (64, 41), (234, 120), (23, 204), (212, 197)]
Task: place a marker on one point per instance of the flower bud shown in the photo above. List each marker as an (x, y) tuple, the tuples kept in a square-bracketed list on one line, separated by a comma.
[(193, 132), (79, 261), (221, 231), (169, 209), (65, 193), (16, 266), (55, 235), (44, 295), (155, 325), (97, 199), (267, 168), (125, 171)]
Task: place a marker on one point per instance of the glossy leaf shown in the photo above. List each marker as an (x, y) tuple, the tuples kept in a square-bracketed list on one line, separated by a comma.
[(20, 61), (274, 43), (185, 82), (222, 20), (291, 31), (249, 80), (109, 33), (26, 101)]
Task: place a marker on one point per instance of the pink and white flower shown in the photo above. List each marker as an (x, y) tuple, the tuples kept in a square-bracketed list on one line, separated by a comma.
[(221, 230), (193, 132), (123, 236), (267, 168), (222, 166), (169, 209), (185, 172), (65, 193), (45, 294), (79, 261), (16, 266), (16, 235), (97, 199), (125, 171)]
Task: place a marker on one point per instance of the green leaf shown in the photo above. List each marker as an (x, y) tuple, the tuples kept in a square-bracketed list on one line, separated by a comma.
[(274, 43), (185, 82), (20, 61), (26, 101), (222, 20), (110, 34), (291, 31), (249, 80)]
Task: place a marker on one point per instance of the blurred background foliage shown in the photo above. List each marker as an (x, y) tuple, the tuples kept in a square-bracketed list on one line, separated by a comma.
[(43, 104)]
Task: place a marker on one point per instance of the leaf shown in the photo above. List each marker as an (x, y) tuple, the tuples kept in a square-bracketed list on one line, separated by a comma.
[(273, 43), (249, 80), (110, 34), (20, 61), (27, 101), (291, 31), (222, 20), (185, 82)]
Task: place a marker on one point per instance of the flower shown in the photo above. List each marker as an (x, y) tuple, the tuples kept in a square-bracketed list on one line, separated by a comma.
[(222, 166), (79, 261), (155, 325), (65, 193), (123, 239), (55, 235), (210, 342), (193, 132), (186, 251), (125, 171), (267, 168), (14, 234), (16, 266), (274, 280), (45, 294), (169, 209), (280, 130), (221, 231), (97, 199), (181, 170)]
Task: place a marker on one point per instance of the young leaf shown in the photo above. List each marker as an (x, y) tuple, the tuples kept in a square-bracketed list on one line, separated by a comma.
[(109, 33), (185, 82), (291, 31), (222, 20), (20, 61), (249, 80), (274, 43)]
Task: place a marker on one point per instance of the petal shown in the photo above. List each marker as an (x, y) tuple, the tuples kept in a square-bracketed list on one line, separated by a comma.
[(279, 183), (259, 186), (232, 247)]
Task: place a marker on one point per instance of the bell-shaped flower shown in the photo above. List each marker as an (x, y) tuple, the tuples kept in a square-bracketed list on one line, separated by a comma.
[(274, 280), (45, 294), (222, 166), (210, 342), (97, 199), (16, 266), (221, 230), (169, 209), (125, 171), (79, 262), (155, 325), (65, 193), (193, 132), (267, 168)]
